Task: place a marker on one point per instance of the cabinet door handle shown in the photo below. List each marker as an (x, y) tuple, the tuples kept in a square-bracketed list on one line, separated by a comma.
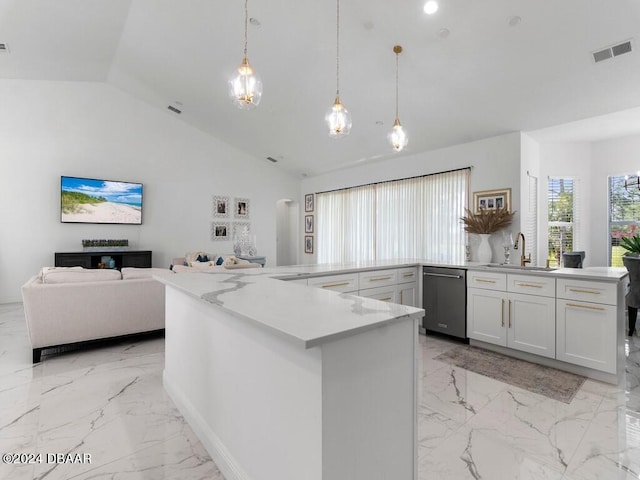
[(502, 312), (385, 299), (407, 274), (580, 290), (484, 281), (509, 313), (329, 285), (379, 279), (533, 285), (584, 306), (401, 302)]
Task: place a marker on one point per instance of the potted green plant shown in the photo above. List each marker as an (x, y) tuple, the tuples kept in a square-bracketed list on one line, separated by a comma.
[(631, 260), (484, 223)]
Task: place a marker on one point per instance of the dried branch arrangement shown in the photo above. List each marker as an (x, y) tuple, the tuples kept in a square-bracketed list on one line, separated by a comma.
[(487, 221)]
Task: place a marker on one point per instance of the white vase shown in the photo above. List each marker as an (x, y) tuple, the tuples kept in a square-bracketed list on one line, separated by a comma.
[(484, 249)]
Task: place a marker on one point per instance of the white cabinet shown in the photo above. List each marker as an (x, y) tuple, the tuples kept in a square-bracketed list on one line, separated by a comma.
[(346, 282), (384, 294), (407, 289), (396, 285), (407, 294), (485, 316), (498, 313), (587, 320)]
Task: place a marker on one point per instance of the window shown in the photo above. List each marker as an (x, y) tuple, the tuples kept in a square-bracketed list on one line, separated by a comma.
[(562, 201), (410, 218), (624, 214)]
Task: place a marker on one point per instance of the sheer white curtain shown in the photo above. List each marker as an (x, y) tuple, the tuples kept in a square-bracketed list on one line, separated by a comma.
[(411, 218), (345, 222)]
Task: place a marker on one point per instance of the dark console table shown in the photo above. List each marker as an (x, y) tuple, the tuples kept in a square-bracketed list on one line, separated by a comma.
[(125, 258)]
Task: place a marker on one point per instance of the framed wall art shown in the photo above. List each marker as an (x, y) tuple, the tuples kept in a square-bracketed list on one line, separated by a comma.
[(220, 206), (492, 200), (308, 224), (220, 230), (241, 208), (238, 228), (308, 202), (308, 244)]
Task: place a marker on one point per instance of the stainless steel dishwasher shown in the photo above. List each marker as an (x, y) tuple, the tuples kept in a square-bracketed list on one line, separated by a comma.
[(444, 299)]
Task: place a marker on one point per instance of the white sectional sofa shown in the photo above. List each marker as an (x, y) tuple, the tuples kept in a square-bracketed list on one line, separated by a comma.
[(69, 305)]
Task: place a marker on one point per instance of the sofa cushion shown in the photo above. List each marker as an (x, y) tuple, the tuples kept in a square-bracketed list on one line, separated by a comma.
[(131, 273), (78, 274)]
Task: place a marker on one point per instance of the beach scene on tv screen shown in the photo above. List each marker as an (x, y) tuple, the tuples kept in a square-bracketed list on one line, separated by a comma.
[(85, 200)]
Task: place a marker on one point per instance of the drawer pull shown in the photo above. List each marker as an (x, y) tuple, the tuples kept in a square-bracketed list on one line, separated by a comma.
[(406, 274), (580, 290), (584, 306), (533, 285), (484, 280), (385, 299), (329, 285), (379, 279)]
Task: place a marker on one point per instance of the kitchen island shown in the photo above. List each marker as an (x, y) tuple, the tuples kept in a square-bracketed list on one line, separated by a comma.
[(283, 381)]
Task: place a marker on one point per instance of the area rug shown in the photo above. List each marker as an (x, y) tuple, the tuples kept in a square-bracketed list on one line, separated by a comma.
[(547, 381)]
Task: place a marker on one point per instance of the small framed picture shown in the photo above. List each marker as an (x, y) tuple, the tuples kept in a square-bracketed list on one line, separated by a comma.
[(241, 208), (308, 224), (308, 244), (492, 200), (220, 230), (220, 206), (308, 202), (238, 228)]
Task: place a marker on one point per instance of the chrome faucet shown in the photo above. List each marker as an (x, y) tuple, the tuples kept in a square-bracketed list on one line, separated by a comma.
[(523, 258)]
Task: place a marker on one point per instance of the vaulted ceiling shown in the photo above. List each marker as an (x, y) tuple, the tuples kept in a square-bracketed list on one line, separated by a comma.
[(466, 72)]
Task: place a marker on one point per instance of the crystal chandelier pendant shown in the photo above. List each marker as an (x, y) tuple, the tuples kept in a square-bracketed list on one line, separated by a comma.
[(398, 137), (339, 119), (245, 87)]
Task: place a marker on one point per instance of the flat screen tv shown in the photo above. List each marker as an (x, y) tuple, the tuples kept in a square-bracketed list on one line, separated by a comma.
[(88, 200)]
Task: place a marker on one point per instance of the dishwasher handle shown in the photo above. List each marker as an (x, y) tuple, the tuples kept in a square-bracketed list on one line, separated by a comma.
[(426, 274)]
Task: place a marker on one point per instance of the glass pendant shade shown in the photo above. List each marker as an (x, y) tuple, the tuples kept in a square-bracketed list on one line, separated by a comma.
[(339, 120), (245, 87), (398, 137)]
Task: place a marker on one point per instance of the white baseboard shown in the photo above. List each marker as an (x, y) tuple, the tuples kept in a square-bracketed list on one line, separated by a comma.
[(223, 459)]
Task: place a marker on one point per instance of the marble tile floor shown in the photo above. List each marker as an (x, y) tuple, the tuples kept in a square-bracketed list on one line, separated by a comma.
[(109, 402)]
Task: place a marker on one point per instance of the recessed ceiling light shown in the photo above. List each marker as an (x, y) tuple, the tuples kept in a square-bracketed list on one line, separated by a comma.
[(513, 21), (431, 7)]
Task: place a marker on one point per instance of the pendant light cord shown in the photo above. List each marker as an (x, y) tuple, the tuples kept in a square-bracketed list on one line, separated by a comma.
[(246, 26), (397, 86), (337, 48)]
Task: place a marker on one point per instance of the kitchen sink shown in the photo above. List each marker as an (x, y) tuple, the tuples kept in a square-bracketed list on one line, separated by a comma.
[(518, 267)]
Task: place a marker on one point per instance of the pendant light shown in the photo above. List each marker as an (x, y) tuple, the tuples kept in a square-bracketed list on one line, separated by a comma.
[(397, 137), (245, 86), (338, 117)]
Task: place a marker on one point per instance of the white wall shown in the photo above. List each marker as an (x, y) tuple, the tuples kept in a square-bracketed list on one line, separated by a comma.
[(571, 160), (49, 129), (617, 156), (495, 162)]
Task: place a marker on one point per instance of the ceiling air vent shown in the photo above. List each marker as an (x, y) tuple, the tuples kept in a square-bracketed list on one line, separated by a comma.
[(272, 160), (610, 52), (4, 48), (174, 109)]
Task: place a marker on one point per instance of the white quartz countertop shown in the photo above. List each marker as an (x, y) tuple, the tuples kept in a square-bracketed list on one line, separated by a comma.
[(312, 316), (305, 315)]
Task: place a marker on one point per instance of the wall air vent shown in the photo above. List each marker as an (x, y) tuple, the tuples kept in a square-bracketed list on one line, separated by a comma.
[(272, 160), (4, 48), (174, 109), (614, 51)]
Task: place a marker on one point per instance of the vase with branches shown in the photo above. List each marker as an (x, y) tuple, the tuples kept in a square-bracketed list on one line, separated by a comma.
[(484, 223)]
